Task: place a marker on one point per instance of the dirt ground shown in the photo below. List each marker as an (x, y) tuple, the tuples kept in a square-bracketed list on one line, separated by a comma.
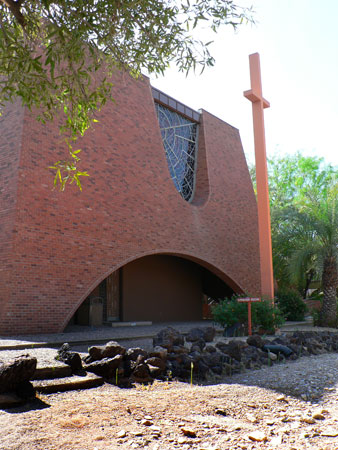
[(172, 416)]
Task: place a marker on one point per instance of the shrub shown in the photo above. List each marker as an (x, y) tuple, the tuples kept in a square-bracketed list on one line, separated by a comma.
[(266, 316), (229, 312), (291, 304)]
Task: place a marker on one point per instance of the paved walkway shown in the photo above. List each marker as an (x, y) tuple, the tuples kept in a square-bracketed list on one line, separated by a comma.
[(77, 334), (81, 335)]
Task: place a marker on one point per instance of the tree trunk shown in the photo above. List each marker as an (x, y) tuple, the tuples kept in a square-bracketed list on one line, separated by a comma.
[(328, 314)]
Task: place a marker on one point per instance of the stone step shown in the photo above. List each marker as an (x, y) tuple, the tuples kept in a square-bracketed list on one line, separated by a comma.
[(50, 372), (67, 384)]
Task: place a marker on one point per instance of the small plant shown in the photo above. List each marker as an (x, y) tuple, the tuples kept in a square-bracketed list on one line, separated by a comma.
[(229, 312), (117, 376), (266, 316), (291, 304), (191, 372)]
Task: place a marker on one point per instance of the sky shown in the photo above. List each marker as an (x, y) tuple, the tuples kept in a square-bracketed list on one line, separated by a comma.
[(298, 45)]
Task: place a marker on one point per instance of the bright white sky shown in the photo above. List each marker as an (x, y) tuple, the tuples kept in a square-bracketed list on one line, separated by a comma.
[(298, 45)]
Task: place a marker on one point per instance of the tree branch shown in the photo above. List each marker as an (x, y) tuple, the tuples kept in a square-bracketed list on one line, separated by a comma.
[(14, 7)]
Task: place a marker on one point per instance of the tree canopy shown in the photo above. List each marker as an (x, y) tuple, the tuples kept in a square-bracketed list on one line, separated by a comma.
[(58, 56), (304, 225)]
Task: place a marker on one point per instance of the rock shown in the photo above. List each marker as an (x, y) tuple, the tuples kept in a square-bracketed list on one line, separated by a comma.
[(308, 420), (257, 436), (157, 362), (147, 422), (15, 374), (318, 415), (133, 353), (70, 358), (121, 434), (233, 349), (255, 340), (272, 356), (105, 367), (168, 337), (206, 334), (141, 372), (111, 349), (210, 349), (154, 371), (159, 352), (198, 345), (179, 349), (330, 432), (188, 432)]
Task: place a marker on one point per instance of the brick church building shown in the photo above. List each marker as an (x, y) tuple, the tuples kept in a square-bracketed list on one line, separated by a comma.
[(167, 218)]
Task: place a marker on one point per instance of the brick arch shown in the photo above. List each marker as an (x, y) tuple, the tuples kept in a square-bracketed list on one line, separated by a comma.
[(235, 286), (56, 247)]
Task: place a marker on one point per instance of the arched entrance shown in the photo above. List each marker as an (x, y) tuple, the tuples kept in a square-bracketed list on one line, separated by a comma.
[(157, 288)]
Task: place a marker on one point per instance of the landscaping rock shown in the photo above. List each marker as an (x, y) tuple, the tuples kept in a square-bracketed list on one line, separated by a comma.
[(133, 354), (105, 367), (157, 362), (111, 349), (168, 337), (206, 334), (72, 359), (255, 340), (15, 375)]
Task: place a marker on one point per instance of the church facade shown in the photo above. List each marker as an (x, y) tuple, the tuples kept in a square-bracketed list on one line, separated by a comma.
[(167, 218)]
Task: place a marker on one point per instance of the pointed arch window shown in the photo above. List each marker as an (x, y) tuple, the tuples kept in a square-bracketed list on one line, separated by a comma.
[(179, 136)]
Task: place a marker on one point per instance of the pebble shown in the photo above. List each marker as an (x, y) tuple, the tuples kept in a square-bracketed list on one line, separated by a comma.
[(257, 436), (147, 422), (330, 432), (188, 432), (122, 434)]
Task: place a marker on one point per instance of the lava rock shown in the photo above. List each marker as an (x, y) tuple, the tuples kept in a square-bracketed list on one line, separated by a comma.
[(168, 337), (15, 374), (70, 358), (105, 367), (206, 334)]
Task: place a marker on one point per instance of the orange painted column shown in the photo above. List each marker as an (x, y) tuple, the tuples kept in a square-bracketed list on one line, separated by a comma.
[(264, 225)]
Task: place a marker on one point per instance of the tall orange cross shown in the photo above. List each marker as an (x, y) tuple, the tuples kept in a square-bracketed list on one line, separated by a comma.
[(264, 225)]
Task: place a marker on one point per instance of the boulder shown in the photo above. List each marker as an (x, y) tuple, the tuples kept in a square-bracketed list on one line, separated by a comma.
[(168, 337), (134, 353), (111, 349), (255, 340), (232, 348), (159, 352), (15, 375), (72, 359), (156, 362), (206, 334), (105, 367)]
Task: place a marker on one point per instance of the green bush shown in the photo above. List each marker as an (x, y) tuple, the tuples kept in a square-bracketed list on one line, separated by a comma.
[(266, 316), (291, 304), (229, 312)]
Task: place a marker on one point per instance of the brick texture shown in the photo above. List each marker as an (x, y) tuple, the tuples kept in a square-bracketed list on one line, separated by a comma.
[(57, 247)]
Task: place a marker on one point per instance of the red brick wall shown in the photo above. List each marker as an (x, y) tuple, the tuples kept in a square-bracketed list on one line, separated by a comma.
[(66, 243)]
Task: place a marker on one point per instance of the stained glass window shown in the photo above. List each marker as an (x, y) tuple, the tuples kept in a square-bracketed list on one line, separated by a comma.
[(179, 137)]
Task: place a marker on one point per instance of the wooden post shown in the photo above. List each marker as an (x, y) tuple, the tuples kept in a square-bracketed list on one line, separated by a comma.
[(249, 300)]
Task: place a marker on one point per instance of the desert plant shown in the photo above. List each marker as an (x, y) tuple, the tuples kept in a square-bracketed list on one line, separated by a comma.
[(291, 304), (229, 312), (266, 316)]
